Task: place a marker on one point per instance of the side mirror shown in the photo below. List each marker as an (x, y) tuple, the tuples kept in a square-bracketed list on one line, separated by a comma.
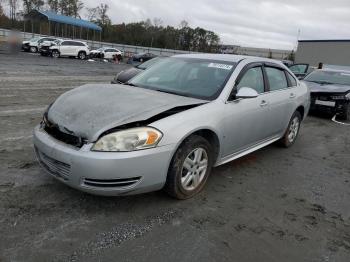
[(246, 92)]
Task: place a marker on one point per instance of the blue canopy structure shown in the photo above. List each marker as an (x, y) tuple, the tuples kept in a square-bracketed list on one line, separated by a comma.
[(54, 17), (62, 25)]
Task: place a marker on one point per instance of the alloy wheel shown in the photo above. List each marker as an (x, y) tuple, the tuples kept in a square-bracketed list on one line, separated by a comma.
[(293, 129), (194, 169)]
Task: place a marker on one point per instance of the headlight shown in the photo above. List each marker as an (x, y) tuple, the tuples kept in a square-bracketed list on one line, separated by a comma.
[(348, 96), (129, 140)]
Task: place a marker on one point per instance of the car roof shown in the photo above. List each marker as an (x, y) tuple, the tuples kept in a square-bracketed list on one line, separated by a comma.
[(229, 58)]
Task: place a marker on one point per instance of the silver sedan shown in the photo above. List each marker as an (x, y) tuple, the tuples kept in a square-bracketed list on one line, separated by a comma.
[(168, 126)]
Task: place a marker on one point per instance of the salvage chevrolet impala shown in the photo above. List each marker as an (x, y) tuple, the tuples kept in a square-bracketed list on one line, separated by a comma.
[(168, 126)]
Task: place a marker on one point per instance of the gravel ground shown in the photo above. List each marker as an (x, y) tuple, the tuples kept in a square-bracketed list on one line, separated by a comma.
[(273, 205)]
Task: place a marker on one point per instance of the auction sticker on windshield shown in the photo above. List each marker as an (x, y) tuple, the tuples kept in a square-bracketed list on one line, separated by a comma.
[(221, 66)]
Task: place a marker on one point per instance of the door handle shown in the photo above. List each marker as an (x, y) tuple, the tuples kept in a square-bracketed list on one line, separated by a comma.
[(263, 103), (292, 95)]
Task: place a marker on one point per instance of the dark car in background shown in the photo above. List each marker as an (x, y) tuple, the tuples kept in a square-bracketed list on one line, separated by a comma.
[(139, 58), (125, 75), (330, 91)]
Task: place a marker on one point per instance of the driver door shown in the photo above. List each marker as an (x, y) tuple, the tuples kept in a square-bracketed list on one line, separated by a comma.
[(245, 119)]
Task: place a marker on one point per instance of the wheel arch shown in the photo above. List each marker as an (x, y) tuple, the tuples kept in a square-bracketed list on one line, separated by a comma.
[(301, 110), (210, 135)]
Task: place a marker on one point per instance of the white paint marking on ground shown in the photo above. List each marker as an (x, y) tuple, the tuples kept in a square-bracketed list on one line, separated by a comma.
[(338, 122), (6, 139), (21, 111)]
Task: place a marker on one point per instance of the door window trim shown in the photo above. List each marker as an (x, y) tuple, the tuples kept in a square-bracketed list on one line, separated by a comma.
[(268, 64), (240, 76)]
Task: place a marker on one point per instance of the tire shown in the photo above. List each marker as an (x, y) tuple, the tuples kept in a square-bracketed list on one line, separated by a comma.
[(292, 131), (55, 54), (82, 55), (346, 114), (33, 49), (183, 183)]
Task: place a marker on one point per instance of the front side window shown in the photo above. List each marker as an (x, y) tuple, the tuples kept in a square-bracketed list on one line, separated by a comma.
[(65, 43), (253, 78), (277, 78), (198, 78)]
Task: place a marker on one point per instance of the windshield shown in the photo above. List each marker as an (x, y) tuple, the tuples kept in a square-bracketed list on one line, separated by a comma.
[(198, 78), (148, 63), (34, 39), (329, 77)]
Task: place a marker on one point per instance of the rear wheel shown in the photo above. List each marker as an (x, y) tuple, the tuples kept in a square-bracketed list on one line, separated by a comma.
[(33, 49), (292, 132), (189, 168), (55, 54), (82, 55)]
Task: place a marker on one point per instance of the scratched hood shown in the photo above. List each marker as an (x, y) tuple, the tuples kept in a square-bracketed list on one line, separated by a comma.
[(327, 88), (92, 109)]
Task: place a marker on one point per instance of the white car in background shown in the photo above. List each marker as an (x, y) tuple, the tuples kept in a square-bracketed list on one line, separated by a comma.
[(32, 45), (105, 52), (70, 48)]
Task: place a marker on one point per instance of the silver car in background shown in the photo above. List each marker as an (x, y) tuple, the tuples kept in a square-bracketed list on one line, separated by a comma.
[(168, 126)]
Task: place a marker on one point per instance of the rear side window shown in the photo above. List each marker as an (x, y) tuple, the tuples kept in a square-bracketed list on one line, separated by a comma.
[(292, 80), (253, 78), (276, 77)]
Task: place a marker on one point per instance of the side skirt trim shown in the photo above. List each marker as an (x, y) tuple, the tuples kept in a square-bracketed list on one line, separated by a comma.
[(246, 151)]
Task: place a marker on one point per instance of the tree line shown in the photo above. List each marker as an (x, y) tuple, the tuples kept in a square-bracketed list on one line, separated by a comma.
[(144, 33)]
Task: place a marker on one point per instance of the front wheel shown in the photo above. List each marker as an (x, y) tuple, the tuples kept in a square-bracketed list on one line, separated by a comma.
[(82, 55), (292, 132), (55, 54), (33, 49), (189, 168), (345, 115)]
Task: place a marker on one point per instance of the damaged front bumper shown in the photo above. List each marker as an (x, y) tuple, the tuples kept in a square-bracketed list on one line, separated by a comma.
[(103, 173)]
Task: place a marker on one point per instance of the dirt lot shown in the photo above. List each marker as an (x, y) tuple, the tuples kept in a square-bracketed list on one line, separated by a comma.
[(273, 205)]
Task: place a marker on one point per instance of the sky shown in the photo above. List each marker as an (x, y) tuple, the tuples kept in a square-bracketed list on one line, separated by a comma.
[(254, 23)]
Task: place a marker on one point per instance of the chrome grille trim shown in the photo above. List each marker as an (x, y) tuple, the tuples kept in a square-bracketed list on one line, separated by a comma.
[(115, 183), (53, 166)]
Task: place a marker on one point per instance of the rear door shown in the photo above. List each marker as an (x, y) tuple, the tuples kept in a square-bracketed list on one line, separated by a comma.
[(281, 95), (299, 70), (65, 48)]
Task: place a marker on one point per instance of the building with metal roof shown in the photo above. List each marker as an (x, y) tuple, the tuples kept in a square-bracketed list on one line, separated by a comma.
[(326, 51)]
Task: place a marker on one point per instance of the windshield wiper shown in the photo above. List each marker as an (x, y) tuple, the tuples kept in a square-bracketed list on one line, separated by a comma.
[(171, 92), (323, 82), (130, 84)]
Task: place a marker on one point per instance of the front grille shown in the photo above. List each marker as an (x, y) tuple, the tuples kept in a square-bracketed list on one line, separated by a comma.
[(69, 139), (53, 166), (328, 96), (115, 183)]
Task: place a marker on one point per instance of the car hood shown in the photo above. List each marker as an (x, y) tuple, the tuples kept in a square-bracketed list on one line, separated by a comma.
[(92, 109), (326, 88), (95, 51), (25, 42)]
